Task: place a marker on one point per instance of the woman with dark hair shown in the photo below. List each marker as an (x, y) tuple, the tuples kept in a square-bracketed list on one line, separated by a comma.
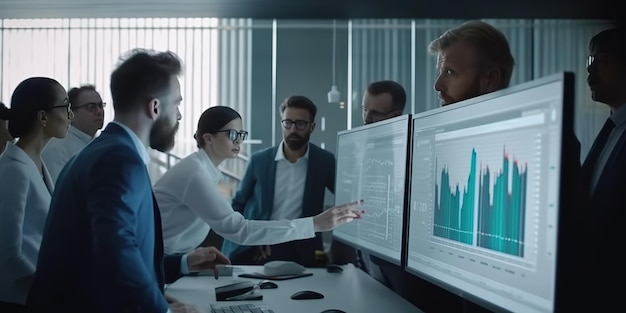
[(5, 137), (191, 202), (39, 111)]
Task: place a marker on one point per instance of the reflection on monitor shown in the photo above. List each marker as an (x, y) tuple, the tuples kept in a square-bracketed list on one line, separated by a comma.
[(484, 200), (372, 165)]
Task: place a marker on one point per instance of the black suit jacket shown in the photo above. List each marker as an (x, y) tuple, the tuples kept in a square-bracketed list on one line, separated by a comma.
[(600, 230)]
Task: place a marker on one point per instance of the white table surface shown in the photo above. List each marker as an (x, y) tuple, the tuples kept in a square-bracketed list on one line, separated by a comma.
[(352, 291)]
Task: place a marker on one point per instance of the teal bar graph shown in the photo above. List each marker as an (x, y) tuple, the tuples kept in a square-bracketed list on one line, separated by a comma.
[(454, 215), (501, 213)]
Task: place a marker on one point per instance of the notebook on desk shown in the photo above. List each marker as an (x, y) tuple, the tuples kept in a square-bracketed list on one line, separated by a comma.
[(240, 308)]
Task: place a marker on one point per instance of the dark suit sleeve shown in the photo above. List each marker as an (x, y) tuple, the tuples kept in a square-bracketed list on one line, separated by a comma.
[(330, 183), (120, 216), (246, 187), (171, 267)]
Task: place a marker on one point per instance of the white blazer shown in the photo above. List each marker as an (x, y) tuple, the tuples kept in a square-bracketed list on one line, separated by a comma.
[(24, 203)]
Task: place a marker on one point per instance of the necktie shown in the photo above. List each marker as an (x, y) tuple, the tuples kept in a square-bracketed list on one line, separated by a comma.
[(594, 153)]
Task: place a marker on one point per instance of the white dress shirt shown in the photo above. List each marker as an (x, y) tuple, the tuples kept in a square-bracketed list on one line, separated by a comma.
[(191, 203), (139, 146), (60, 150), (24, 203), (619, 118), (289, 185)]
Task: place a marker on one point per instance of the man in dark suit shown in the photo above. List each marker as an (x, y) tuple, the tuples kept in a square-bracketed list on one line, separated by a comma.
[(102, 248), (286, 181), (604, 176)]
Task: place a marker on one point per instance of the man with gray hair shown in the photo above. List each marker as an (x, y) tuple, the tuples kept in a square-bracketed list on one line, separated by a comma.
[(88, 109)]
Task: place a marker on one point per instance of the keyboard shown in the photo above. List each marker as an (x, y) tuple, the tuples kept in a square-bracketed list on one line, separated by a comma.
[(239, 308)]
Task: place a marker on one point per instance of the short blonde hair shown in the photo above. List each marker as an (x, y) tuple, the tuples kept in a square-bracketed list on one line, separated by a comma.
[(492, 46)]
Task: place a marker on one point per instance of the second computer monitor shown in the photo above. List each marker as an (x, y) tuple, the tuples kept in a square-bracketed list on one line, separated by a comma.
[(486, 194), (372, 166)]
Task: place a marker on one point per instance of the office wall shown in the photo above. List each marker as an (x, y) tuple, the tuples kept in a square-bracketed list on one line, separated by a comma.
[(304, 66)]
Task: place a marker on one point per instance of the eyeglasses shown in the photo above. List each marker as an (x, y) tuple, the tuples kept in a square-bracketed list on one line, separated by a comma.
[(601, 58), (92, 106), (67, 107), (300, 124), (234, 134)]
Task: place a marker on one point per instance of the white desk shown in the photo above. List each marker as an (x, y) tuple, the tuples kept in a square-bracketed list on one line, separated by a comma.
[(352, 291)]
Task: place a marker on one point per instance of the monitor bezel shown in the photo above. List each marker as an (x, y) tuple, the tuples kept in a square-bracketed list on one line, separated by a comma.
[(408, 119), (567, 185)]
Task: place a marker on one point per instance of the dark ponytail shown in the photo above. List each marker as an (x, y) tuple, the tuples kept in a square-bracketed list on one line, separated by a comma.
[(212, 120), (29, 97), (5, 113)]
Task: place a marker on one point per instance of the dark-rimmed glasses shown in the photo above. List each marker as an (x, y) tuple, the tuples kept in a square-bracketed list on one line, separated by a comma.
[(234, 134), (67, 106), (601, 58), (300, 124), (92, 106)]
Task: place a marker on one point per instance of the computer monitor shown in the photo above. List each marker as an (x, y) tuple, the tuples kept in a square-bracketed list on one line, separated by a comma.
[(485, 194), (372, 166)]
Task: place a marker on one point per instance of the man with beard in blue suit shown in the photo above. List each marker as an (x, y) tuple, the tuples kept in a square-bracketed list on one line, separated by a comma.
[(287, 181), (102, 248)]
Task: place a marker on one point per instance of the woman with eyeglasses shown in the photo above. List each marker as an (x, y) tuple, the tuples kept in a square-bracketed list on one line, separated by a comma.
[(191, 203), (39, 111)]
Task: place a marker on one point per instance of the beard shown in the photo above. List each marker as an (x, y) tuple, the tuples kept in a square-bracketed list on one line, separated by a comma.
[(472, 91), (162, 136), (297, 142)]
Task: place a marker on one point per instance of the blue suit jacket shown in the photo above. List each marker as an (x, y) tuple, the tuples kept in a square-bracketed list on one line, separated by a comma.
[(102, 249), (255, 196)]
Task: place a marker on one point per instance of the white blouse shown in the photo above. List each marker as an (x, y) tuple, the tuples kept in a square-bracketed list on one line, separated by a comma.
[(24, 203), (191, 203)]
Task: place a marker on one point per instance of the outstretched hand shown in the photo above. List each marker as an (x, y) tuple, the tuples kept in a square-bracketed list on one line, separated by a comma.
[(338, 215), (206, 258)]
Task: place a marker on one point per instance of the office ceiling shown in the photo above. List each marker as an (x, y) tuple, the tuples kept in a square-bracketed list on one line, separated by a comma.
[(313, 9)]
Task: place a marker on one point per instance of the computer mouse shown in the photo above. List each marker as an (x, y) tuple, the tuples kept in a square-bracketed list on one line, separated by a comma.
[(280, 268), (333, 268), (267, 285), (306, 295), (333, 311)]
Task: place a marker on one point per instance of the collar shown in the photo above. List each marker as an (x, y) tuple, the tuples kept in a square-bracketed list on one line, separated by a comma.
[(84, 137), (16, 153), (280, 155), (213, 170), (619, 116), (139, 146)]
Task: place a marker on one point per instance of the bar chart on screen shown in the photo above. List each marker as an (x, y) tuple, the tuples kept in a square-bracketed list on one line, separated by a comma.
[(480, 194)]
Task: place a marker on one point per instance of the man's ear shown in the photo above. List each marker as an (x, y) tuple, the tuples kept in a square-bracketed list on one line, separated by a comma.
[(153, 109), (312, 126), (491, 80)]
